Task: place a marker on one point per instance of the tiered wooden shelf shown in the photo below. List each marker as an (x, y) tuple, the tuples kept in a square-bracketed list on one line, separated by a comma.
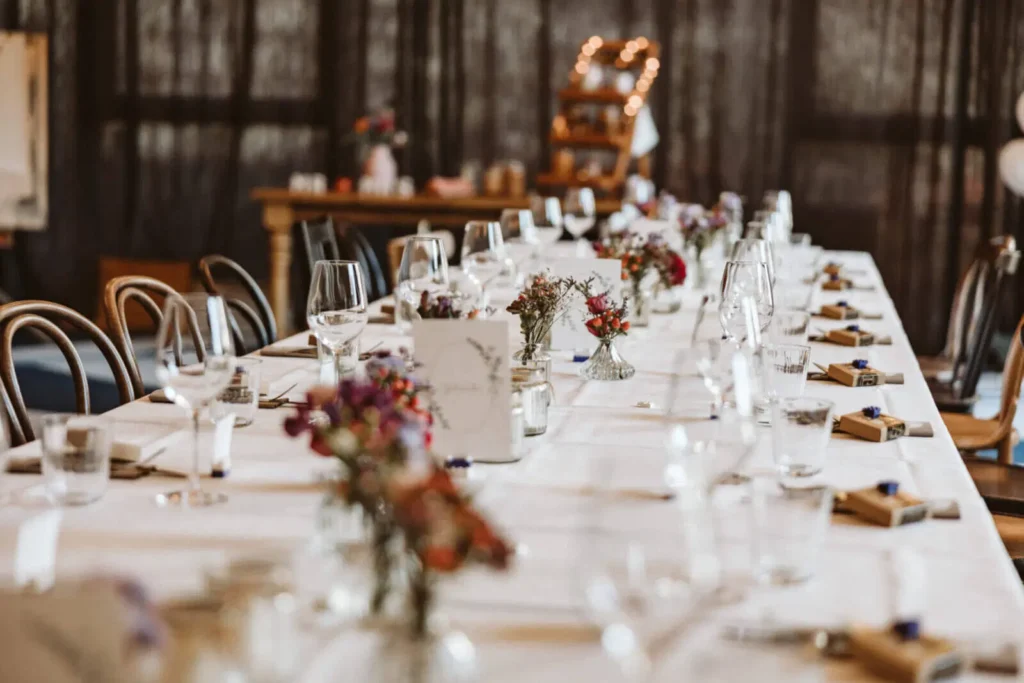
[(609, 117)]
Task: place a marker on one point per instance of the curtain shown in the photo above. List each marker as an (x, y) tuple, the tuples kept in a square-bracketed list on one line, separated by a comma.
[(882, 117)]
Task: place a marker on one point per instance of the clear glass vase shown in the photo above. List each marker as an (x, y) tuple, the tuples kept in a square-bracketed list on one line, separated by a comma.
[(607, 364), (640, 315), (666, 300)]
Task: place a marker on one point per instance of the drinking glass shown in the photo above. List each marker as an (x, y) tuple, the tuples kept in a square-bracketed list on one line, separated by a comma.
[(801, 428), (195, 360), (336, 307), (714, 362), (76, 459), (547, 217), (789, 326), (760, 250), (242, 396), (424, 268), (794, 295), (742, 280), (785, 370), (518, 223), (790, 525), (580, 211), (483, 252)]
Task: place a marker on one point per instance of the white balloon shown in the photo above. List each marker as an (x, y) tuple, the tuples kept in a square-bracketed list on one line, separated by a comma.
[(1011, 166), (1020, 111)]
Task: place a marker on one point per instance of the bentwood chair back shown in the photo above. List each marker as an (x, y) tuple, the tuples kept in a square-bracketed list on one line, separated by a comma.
[(320, 240), (998, 266), (257, 315), (142, 290), (963, 312), (359, 249), (47, 318)]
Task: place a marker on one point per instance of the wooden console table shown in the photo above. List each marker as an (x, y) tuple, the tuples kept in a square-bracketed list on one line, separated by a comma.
[(282, 208)]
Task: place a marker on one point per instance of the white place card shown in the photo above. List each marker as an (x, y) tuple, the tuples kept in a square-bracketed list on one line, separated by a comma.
[(466, 364), (570, 332), (35, 556)]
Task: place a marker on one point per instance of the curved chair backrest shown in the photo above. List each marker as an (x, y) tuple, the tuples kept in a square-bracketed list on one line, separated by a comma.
[(141, 289), (1013, 375), (321, 241), (45, 316), (961, 313), (356, 247), (997, 263), (259, 317)]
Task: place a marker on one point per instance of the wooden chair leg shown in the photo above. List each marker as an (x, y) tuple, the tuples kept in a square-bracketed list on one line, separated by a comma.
[(1006, 450)]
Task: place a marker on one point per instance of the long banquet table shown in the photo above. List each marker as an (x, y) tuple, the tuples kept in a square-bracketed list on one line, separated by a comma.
[(526, 624)]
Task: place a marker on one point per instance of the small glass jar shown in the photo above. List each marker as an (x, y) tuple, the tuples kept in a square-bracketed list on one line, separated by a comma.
[(536, 394), (640, 306)]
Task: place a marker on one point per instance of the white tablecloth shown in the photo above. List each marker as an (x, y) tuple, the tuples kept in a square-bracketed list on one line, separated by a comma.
[(516, 619)]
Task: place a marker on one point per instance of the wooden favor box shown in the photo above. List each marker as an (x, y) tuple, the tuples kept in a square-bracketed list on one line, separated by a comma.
[(881, 428), (845, 373)]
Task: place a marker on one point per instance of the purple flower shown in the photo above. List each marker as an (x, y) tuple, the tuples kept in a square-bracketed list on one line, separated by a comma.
[(872, 412)]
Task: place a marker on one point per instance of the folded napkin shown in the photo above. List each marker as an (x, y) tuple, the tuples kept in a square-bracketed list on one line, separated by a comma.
[(159, 396)]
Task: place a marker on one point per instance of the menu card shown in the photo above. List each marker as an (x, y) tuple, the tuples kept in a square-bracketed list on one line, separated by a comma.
[(570, 332), (466, 365)]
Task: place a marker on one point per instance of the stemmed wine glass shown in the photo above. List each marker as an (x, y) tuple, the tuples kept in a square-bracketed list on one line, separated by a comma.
[(424, 268), (483, 252), (336, 307), (742, 280), (547, 219), (714, 362), (195, 360), (580, 211), (749, 249)]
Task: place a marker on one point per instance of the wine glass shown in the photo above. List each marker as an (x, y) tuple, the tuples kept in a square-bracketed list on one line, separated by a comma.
[(336, 307), (714, 362), (547, 218), (580, 211), (483, 252), (424, 268), (195, 361), (749, 249), (745, 280)]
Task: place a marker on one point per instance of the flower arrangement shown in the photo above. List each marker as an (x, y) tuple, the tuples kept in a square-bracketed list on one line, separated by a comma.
[(441, 307), (608, 320), (538, 307), (640, 255), (378, 129), (378, 430)]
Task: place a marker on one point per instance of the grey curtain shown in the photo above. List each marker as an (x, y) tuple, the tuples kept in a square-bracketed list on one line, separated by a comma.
[(883, 117)]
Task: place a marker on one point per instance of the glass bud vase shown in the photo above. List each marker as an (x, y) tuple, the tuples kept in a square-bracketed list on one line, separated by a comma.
[(642, 304), (666, 299), (607, 364)]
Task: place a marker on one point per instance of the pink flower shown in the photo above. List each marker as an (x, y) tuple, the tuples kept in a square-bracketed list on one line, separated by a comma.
[(598, 304)]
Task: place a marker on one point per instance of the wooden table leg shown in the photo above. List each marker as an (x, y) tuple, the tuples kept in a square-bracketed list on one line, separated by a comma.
[(278, 219)]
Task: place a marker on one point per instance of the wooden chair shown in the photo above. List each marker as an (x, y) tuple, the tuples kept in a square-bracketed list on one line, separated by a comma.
[(320, 240), (972, 434), (963, 313), (141, 290), (997, 262), (396, 247), (355, 247), (45, 316), (258, 316)]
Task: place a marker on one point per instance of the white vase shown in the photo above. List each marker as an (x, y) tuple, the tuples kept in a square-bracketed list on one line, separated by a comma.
[(380, 165)]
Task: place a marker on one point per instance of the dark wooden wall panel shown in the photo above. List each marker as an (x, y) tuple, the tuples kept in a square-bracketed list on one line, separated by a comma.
[(883, 118)]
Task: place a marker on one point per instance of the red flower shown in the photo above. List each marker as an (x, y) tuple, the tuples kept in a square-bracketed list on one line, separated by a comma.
[(676, 269), (598, 304), (441, 559)]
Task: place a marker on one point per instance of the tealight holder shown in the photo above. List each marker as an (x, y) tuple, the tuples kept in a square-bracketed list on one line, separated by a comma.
[(536, 394)]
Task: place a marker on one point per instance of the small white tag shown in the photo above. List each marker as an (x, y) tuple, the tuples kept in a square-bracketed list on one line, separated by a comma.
[(35, 557)]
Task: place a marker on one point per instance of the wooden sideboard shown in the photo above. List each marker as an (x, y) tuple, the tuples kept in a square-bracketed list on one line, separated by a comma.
[(282, 208)]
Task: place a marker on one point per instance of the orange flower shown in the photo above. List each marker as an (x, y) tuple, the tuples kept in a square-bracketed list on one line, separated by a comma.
[(625, 326), (615, 323), (441, 559), (362, 125)]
